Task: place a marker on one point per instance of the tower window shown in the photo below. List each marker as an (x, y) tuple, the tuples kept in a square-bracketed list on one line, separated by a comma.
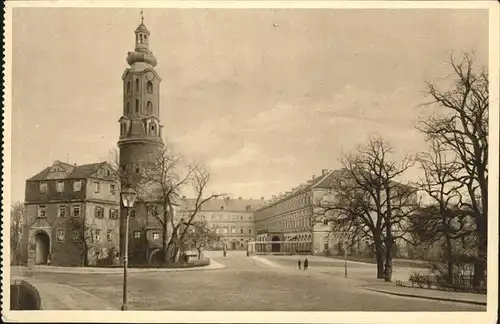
[(140, 39), (153, 132), (149, 87), (127, 110), (137, 85), (150, 108), (128, 87), (137, 105)]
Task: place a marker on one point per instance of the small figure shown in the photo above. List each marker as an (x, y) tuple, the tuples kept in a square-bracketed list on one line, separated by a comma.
[(300, 264), (306, 264)]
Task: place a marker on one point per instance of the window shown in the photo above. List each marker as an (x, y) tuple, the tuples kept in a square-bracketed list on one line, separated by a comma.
[(127, 109), (137, 170), (250, 231), (60, 235), (98, 235), (150, 108), (75, 235), (136, 106), (60, 186), (225, 230), (156, 236), (97, 187), (241, 230), (61, 212), (109, 235), (325, 221), (137, 85), (112, 188), (233, 230), (76, 210), (235, 217), (42, 211), (128, 87), (149, 87), (241, 217), (99, 212), (217, 230), (113, 213), (153, 129), (43, 187), (221, 207), (137, 234), (77, 185)]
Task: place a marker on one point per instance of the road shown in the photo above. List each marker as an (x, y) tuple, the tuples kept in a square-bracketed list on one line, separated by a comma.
[(245, 284)]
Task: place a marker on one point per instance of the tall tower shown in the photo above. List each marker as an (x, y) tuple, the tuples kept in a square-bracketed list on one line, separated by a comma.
[(140, 128)]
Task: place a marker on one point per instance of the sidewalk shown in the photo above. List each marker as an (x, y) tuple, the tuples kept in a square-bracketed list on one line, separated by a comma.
[(434, 294), (62, 297), (17, 270)]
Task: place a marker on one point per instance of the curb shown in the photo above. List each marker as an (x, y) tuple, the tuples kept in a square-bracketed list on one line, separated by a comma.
[(89, 270), (427, 297)]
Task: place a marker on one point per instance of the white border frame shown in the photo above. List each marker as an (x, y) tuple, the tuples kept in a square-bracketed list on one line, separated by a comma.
[(255, 317)]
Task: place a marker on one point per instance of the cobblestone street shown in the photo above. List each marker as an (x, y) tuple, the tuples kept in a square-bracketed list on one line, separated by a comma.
[(244, 284)]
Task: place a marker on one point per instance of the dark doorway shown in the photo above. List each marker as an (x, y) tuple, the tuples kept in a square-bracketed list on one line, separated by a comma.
[(275, 248), (234, 245), (42, 247)]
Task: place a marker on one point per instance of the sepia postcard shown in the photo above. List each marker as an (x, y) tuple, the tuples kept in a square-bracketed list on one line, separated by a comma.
[(250, 161)]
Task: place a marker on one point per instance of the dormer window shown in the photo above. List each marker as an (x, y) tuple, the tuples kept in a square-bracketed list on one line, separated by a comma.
[(43, 187), (77, 185)]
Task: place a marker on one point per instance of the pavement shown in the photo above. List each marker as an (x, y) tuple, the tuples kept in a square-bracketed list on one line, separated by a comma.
[(432, 294), (258, 283), (362, 274)]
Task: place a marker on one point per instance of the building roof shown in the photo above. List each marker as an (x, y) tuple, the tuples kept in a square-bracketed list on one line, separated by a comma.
[(322, 181), (68, 171), (224, 204)]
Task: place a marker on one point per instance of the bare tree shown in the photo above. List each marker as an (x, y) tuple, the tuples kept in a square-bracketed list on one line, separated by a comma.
[(200, 235), (163, 181), (460, 124), (442, 220), (369, 202), (84, 238), (17, 224)]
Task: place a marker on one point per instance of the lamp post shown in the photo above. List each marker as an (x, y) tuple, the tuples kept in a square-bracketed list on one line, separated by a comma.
[(345, 259), (128, 198)]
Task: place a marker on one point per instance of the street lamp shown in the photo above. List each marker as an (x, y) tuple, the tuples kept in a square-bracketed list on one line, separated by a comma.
[(128, 198), (345, 259)]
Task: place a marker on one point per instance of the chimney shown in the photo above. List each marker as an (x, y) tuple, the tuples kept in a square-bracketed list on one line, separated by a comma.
[(313, 177), (183, 197), (261, 198)]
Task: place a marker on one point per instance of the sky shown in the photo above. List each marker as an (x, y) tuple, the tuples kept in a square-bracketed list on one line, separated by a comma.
[(263, 98)]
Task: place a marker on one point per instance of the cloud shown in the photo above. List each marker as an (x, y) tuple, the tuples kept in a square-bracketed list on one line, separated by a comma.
[(246, 154)]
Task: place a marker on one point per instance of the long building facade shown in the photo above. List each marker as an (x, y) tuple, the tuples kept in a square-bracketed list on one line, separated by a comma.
[(232, 220), (290, 217)]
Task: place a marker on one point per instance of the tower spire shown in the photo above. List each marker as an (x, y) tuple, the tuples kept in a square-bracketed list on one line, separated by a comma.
[(142, 16)]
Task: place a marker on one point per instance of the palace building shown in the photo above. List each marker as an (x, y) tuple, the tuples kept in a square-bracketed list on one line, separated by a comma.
[(232, 219), (289, 218)]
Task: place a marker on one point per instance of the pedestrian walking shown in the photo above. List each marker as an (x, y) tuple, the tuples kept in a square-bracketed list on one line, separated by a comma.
[(306, 264), (300, 264)]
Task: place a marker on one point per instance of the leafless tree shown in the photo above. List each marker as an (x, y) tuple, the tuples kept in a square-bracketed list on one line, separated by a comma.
[(17, 223), (85, 239), (460, 124), (442, 220), (368, 201), (164, 178), (200, 235)]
